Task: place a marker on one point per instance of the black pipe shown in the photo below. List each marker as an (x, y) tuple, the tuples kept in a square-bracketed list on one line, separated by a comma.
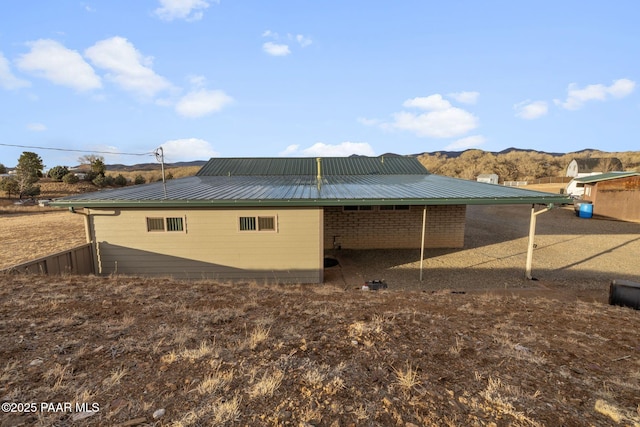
[(624, 293)]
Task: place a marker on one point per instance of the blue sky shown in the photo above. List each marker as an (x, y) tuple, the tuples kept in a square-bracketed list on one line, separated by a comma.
[(204, 78)]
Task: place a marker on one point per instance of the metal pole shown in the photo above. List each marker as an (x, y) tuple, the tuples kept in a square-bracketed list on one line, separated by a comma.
[(160, 157), (532, 235), (424, 223)]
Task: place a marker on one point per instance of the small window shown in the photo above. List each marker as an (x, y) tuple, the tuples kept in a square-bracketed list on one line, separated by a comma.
[(266, 223), (155, 224), (259, 223), (165, 224), (394, 207), (357, 208), (174, 224), (247, 223)]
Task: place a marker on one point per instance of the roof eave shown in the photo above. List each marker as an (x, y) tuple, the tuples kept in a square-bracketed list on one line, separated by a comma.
[(307, 202)]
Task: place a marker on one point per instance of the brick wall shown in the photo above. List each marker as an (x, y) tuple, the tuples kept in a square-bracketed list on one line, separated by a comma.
[(379, 229)]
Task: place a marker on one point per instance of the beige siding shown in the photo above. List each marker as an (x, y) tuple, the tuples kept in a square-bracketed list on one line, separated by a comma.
[(212, 245), (379, 229)]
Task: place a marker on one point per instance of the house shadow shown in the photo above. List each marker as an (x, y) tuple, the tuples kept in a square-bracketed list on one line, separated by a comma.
[(570, 251), (116, 259)]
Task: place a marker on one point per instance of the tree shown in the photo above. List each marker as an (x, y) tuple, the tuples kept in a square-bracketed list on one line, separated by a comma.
[(58, 172), (9, 186), (139, 179), (98, 167), (3, 168), (28, 171), (30, 164), (96, 164)]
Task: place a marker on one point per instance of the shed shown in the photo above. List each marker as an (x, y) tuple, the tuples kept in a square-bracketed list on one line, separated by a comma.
[(593, 165), (614, 195), (271, 219), (489, 178)]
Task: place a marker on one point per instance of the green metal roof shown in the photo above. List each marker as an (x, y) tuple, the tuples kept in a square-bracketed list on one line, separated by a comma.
[(257, 189), (605, 177), (329, 166)]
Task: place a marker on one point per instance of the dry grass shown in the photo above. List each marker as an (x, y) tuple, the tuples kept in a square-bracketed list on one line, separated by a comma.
[(31, 236), (225, 354), (419, 357), (267, 385)]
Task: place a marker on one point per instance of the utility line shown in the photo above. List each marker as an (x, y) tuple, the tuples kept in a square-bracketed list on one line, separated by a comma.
[(80, 151)]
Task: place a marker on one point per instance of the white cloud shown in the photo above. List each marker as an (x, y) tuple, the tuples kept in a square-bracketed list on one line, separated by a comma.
[(291, 150), (196, 81), (621, 88), (431, 102), (275, 49), (7, 79), (577, 97), (36, 127), (51, 60), (442, 120), (127, 67), (320, 149), (465, 97), (202, 102), (189, 10), (467, 142), (531, 110), (303, 41), (187, 149)]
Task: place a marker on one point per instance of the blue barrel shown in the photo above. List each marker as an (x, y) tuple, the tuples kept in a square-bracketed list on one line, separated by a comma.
[(586, 210)]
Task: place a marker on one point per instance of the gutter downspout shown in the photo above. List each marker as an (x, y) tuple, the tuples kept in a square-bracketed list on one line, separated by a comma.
[(532, 234), (90, 238), (424, 223)]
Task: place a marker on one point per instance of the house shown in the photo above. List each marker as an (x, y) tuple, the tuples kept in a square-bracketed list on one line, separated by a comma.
[(614, 195), (593, 166), (272, 219), (489, 178)]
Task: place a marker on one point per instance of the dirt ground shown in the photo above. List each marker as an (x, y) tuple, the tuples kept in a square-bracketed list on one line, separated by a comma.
[(473, 344)]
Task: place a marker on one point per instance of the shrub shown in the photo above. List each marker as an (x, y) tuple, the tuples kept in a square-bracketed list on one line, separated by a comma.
[(58, 172), (120, 180), (103, 181), (139, 179), (30, 191), (70, 178)]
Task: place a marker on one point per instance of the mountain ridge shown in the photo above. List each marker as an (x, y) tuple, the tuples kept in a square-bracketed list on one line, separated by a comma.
[(449, 154)]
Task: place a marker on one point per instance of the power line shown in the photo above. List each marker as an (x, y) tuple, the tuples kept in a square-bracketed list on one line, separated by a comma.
[(149, 153)]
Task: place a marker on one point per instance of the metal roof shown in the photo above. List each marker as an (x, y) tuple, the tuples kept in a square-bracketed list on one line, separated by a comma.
[(329, 166), (604, 177), (305, 190)]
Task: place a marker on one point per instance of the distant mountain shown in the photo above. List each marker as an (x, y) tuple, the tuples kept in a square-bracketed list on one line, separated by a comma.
[(153, 166), (449, 154), (455, 154)]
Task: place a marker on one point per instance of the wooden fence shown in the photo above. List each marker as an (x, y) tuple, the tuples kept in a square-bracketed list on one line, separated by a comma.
[(78, 260)]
